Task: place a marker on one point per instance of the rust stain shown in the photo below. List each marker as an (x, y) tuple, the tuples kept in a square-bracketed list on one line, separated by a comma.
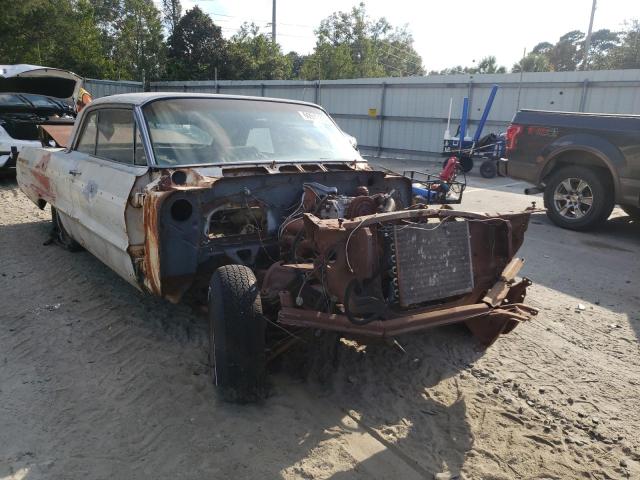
[(151, 264), (43, 186)]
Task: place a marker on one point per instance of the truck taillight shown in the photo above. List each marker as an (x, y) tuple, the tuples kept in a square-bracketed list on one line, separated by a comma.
[(512, 136)]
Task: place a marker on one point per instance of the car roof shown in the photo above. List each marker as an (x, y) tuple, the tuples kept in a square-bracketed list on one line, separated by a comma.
[(142, 98)]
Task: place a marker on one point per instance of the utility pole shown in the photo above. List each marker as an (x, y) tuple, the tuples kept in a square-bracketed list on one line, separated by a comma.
[(273, 23), (587, 42)]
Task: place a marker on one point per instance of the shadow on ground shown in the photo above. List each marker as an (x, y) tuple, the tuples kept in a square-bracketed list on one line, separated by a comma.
[(144, 358)]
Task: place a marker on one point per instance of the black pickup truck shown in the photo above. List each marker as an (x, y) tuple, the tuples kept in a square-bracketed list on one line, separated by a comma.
[(584, 163)]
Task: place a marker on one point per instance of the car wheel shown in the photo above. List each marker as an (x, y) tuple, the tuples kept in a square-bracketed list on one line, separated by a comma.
[(237, 335), (578, 198), (488, 168), (60, 235), (633, 212)]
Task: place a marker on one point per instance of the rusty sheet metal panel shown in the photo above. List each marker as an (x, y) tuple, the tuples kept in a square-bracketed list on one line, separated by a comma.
[(433, 262), (60, 133)]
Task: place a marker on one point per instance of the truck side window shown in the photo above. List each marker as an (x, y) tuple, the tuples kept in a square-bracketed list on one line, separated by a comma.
[(87, 142), (115, 135)]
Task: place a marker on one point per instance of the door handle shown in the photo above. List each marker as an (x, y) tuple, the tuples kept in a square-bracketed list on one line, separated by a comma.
[(74, 172)]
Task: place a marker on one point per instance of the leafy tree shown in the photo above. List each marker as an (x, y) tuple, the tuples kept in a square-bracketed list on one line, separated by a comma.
[(533, 62), (567, 53), (139, 46), (488, 64), (252, 55), (196, 48), (171, 13), (457, 70), (627, 53), (543, 48), (297, 61), (350, 44), (603, 42), (131, 33), (30, 32)]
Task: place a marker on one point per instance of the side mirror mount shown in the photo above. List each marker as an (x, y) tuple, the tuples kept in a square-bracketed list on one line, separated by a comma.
[(352, 140)]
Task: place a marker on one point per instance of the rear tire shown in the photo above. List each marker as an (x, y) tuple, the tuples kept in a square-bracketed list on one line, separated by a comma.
[(237, 335), (489, 169), (633, 212), (60, 235), (578, 198)]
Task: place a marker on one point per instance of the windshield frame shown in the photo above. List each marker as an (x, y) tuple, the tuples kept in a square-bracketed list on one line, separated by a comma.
[(151, 159)]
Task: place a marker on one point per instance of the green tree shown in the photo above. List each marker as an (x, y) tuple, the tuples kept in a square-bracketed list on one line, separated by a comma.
[(196, 48), (350, 44), (543, 48), (171, 13), (533, 62), (603, 42), (139, 47), (487, 64), (568, 52), (252, 55), (30, 32), (627, 53), (297, 61)]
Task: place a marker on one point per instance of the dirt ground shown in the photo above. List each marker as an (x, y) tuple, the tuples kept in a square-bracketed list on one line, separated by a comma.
[(98, 381)]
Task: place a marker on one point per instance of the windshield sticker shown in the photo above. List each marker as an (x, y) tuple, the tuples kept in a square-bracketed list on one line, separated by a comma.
[(311, 116)]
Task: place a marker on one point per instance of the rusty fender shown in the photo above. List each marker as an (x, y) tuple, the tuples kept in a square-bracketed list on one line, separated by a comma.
[(156, 194)]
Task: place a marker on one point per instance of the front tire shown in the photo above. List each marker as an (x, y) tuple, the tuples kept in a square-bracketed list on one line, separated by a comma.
[(237, 335), (578, 198)]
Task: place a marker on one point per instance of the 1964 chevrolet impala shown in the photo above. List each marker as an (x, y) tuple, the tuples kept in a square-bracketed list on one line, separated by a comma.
[(266, 209)]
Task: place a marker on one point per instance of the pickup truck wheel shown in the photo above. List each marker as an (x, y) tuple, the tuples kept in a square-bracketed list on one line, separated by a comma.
[(633, 212), (578, 198), (237, 335), (60, 235)]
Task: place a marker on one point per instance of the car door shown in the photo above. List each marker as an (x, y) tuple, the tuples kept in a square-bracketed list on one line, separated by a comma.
[(104, 178)]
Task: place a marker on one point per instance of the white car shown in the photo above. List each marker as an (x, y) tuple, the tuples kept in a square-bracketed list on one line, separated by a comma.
[(30, 96), (263, 210)]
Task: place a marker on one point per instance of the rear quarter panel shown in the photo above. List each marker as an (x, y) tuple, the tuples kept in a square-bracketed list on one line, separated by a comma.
[(41, 177)]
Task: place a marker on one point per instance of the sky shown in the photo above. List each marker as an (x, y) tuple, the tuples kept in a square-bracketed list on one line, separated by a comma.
[(445, 33)]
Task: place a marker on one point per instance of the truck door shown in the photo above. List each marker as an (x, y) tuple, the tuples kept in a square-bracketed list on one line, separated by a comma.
[(104, 178)]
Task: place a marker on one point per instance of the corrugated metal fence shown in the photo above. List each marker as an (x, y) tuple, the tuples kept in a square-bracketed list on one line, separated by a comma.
[(102, 88), (408, 116)]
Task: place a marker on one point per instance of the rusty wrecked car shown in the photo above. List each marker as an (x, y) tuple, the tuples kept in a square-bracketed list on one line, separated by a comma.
[(265, 210)]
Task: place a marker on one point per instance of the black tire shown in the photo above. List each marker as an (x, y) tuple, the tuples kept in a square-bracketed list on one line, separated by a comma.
[(489, 168), (237, 335), (565, 182), (633, 212), (466, 164), (60, 235)]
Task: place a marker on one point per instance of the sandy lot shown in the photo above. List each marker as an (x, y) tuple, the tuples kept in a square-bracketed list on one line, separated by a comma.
[(98, 381)]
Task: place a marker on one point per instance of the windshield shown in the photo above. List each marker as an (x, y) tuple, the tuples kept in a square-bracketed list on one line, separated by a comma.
[(196, 131)]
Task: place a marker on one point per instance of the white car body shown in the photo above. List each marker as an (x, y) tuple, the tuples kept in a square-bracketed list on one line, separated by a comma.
[(30, 72), (100, 202)]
